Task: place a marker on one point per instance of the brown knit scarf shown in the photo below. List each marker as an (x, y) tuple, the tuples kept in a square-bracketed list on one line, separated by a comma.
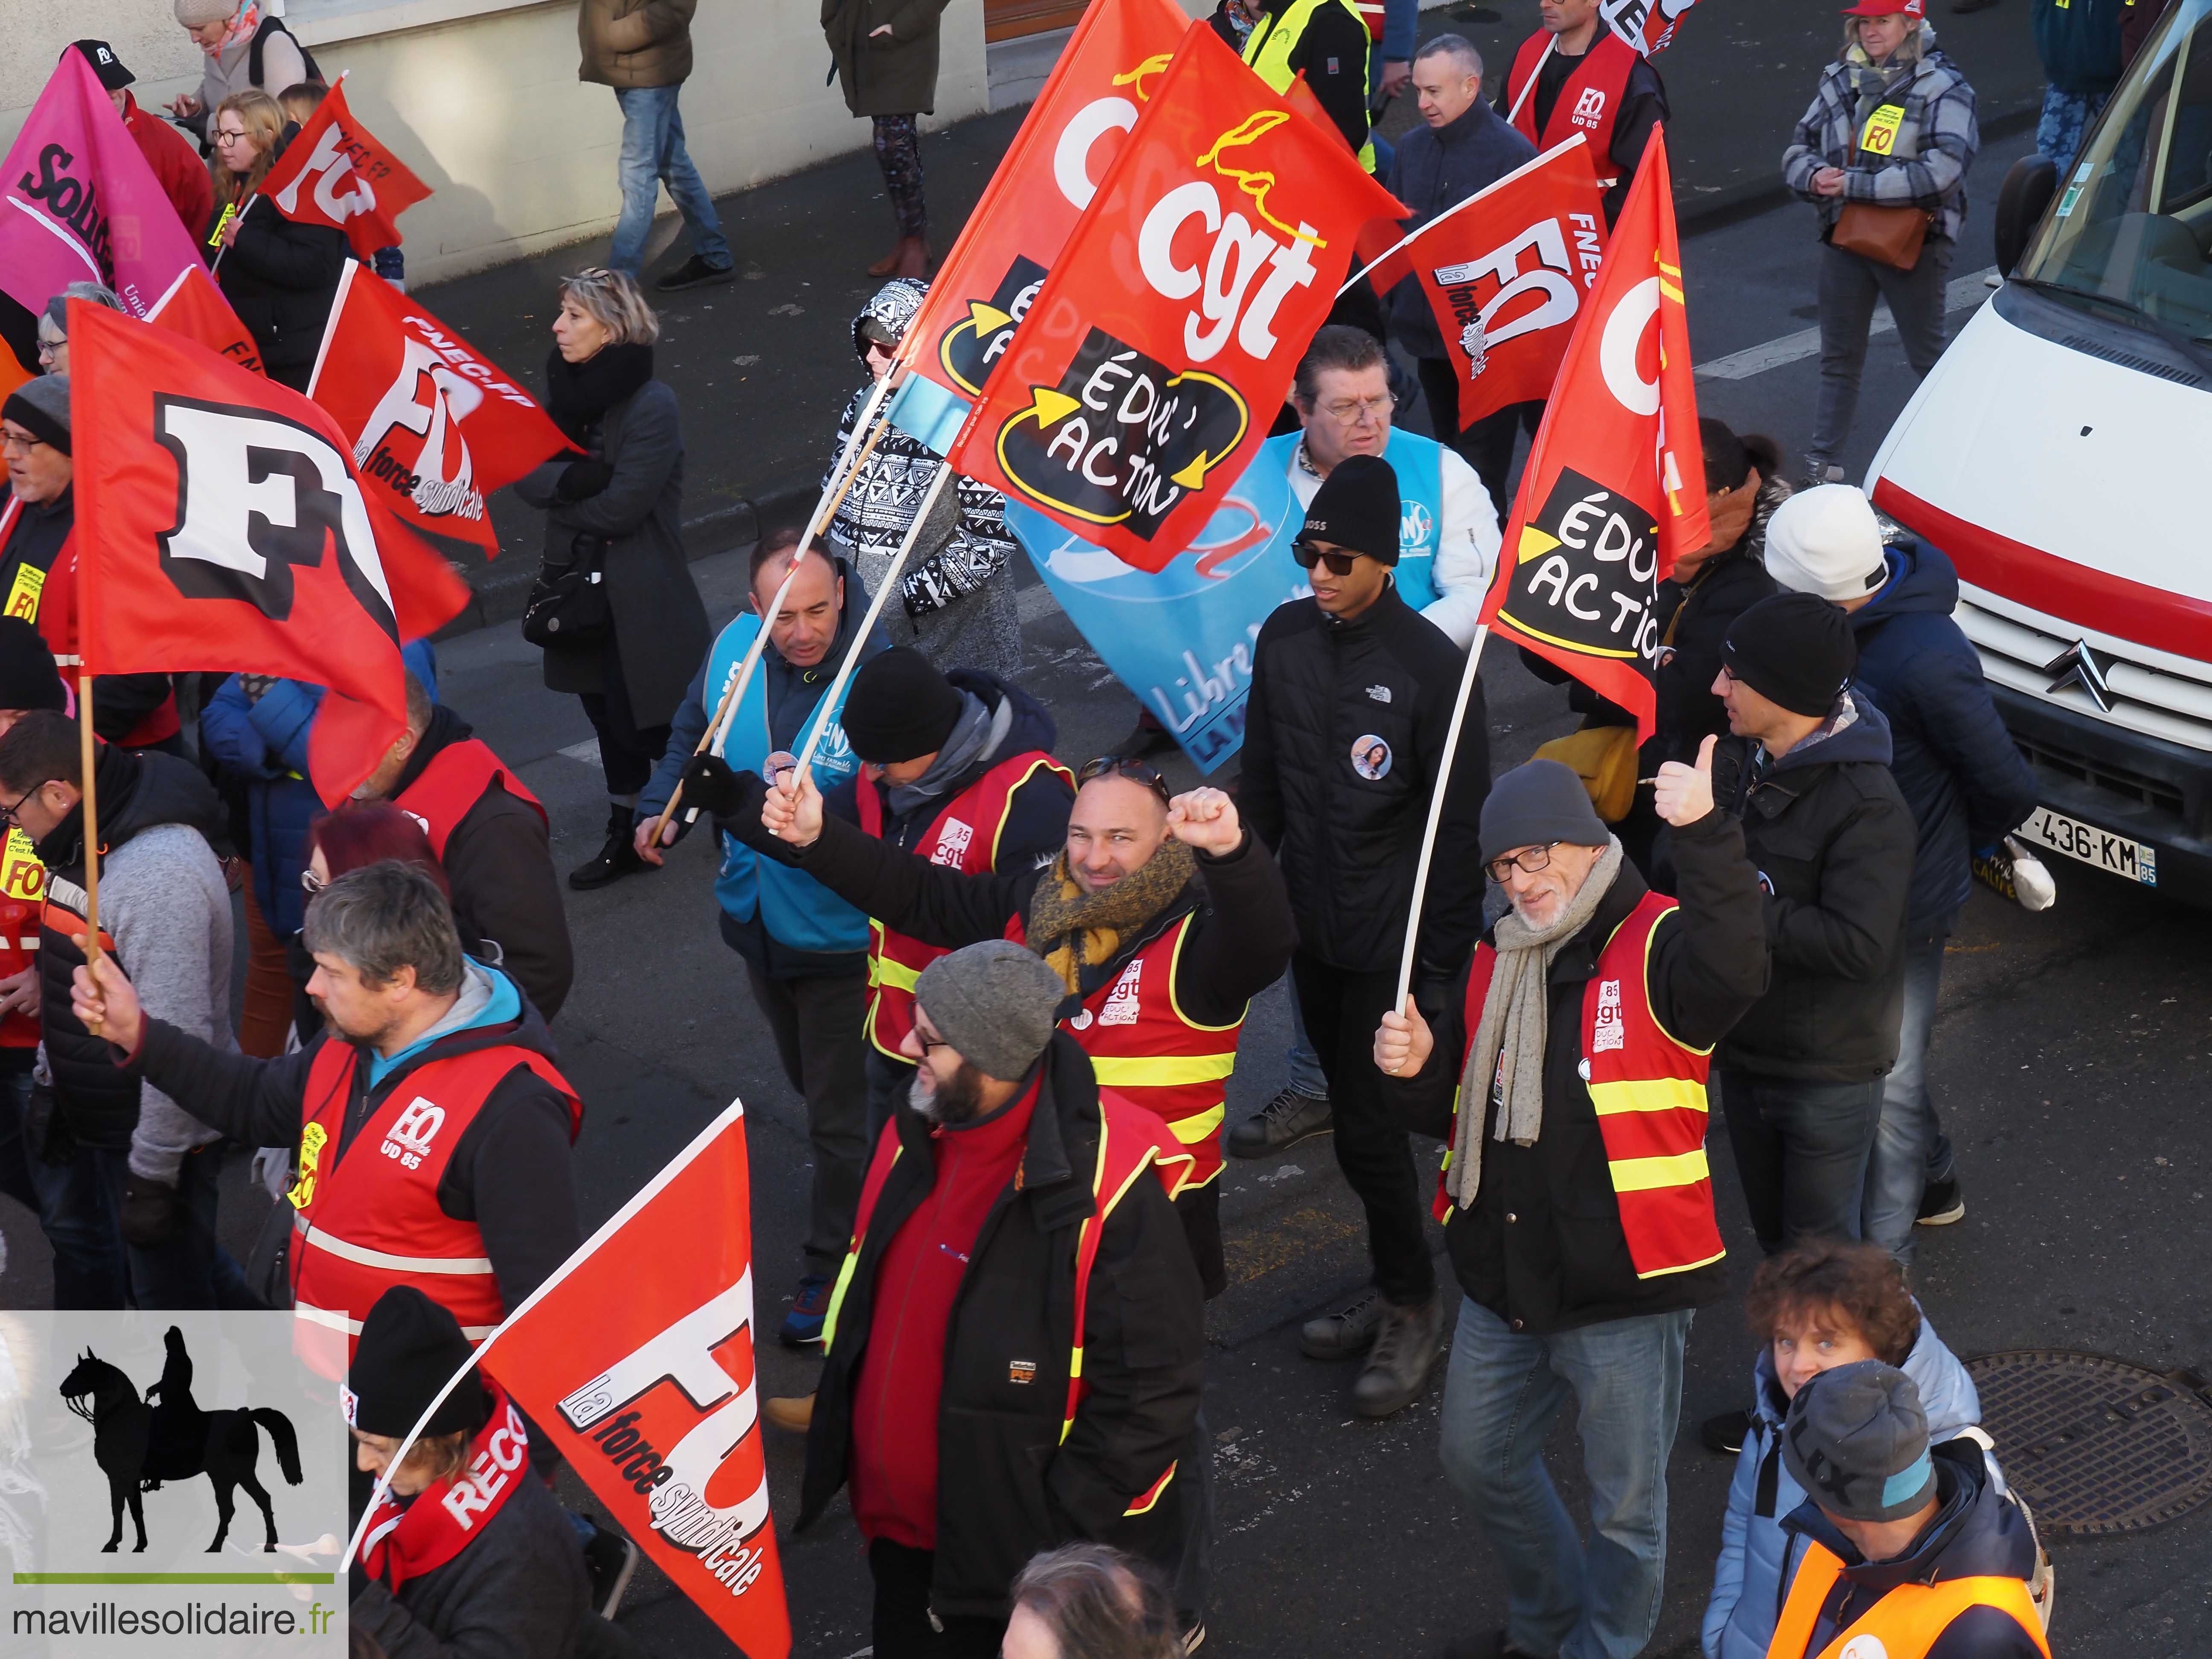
[(1074, 930)]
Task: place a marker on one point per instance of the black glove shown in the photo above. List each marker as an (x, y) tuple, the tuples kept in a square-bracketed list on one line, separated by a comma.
[(582, 478), (712, 787), (149, 1211)]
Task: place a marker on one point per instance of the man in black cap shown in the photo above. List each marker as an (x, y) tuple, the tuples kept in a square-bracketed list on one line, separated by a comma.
[(1578, 1208), (174, 158), (1908, 1547), (1344, 746), (1806, 768)]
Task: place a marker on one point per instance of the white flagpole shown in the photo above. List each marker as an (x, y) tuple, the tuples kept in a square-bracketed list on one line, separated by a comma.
[(1534, 75), (1436, 814)]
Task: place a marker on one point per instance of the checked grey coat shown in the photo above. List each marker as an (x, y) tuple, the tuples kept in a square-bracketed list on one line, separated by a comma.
[(1935, 140)]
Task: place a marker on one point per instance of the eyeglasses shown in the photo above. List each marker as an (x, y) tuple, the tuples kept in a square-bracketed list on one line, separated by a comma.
[(928, 1043), (227, 135), (8, 818), (1308, 556), (1117, 766), (1351, 412), (24, 441), (1529, 860), (48, 349)]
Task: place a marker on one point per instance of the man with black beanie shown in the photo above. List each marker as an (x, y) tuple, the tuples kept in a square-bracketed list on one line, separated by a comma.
[(1344, 747), (1806, 768)]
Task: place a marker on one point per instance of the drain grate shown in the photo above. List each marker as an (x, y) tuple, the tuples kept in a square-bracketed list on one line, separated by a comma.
[(2094, 1444)]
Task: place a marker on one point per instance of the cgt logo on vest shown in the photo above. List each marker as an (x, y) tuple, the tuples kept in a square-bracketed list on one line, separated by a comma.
[(412, 1133)]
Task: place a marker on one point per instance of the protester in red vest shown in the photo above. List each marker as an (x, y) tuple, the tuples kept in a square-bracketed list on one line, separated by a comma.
[(174, 158), (1575, 74), (1578, 1213)]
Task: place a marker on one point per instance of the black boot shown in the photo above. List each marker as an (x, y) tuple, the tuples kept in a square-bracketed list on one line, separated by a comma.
[(617, 858)]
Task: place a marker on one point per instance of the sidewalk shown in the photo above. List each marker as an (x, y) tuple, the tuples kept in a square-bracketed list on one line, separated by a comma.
[(762, 367)]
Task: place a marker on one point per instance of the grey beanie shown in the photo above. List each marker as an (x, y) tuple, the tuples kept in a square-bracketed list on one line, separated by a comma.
[(41, 407), (194, 14), (1539, 802), (995, 1003), (1856, 1440)]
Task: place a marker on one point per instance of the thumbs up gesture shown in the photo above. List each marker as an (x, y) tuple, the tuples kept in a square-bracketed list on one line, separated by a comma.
[(1685, 793)]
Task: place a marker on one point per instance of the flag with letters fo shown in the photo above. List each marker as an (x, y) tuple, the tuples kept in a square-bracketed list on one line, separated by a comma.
[(636, 1361), (1614, 486), (435, 427), (1159, 347), (194, 307), (1647, 25), (222, 527), (334, 173), (1505, 274)]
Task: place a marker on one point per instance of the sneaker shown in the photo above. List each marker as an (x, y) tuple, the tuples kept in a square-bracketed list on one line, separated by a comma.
[(1343, 1335), (1286, 1119), (1941, 1204), (1398, 1366), (693, 272), (1819, 472), (611, 1559), (802, 1326), (1726, 1432), (791, 1416)]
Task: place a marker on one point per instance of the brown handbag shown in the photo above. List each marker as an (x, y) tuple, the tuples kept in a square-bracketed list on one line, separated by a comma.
[(1887, 235)]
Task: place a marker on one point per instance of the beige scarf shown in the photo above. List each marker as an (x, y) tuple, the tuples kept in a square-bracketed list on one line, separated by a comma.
[(1509, 1042)]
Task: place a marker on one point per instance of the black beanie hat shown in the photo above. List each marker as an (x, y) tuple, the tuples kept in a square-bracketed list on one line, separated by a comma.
[(1357, 507), (900, 707), (28, 678), (1796, 650), (41, 407), (409, 1346)]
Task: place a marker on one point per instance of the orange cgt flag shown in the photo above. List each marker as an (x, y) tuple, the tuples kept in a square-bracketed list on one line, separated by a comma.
[(635, 1360), (1615, 486)]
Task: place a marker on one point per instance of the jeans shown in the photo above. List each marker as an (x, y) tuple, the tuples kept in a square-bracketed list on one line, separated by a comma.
[(1306, 1076), (817, 1022), (80, 1212), (653, 154), (191, 1269), (1909, 1145), (903, 1629), (1598, 1600), (1849, 284), (1800, 1151)]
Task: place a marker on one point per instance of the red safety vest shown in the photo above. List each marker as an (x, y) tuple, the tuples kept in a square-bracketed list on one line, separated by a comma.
[(360, 1231), (1147, 1052), (1903, 1625), (47, 598), (1648, 1089), (452, 785), (964, 836), (22, 900), (1589, 103)]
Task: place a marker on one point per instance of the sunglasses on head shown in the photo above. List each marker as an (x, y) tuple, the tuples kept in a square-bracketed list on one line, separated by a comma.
[(1308, 556), (1116, 766)]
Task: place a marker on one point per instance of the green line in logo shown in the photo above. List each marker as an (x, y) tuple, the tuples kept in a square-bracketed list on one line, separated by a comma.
[(175, 1579)]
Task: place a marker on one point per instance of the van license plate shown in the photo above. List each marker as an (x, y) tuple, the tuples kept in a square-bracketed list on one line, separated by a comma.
[(2091, 845)]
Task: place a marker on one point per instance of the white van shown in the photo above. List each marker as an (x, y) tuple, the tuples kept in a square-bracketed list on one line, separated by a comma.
[(2055, 453)]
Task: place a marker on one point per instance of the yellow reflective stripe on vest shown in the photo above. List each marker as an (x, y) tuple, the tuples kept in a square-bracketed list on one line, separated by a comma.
[(1268, 53), (1161, 1071), (845, 1272), (1643, 1174), (1665, 1094), (882, 970), (1191, 1130)]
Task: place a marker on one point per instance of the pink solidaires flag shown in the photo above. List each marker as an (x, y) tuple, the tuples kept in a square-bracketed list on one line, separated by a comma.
[(79, 204)]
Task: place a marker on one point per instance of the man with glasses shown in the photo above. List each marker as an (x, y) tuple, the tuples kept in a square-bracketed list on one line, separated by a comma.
[(1577, 1208), (1344, 747)]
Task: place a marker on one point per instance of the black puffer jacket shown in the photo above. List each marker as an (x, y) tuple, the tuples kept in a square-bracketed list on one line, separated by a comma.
[(280, 277), (136, 790), (1022, 1486), (1349, 843), (1693, 620), (1833, 841)]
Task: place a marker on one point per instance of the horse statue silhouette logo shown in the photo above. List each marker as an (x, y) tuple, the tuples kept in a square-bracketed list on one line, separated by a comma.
[(139, 1446)]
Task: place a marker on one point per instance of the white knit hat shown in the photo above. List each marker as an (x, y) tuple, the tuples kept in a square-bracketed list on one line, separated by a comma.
[(1824, 541), (194, 14)]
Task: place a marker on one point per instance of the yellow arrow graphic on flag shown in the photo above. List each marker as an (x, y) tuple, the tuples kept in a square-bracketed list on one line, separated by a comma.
[(1534, 544), (985, 319), (1049, 407)]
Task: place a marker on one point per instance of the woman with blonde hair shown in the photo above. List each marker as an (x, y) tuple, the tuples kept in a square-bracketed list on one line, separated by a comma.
[(636, 629), (280, 276)]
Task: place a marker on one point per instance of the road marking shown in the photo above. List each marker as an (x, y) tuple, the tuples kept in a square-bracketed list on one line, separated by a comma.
[(1962, 293), (586, 752)]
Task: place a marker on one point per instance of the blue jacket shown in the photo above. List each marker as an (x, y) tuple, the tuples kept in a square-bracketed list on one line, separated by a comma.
[(1748, 1585), (264, 744), (1439, 167), (1955, 763)]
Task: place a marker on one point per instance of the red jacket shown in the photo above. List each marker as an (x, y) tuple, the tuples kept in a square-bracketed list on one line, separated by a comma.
[(176, 163)]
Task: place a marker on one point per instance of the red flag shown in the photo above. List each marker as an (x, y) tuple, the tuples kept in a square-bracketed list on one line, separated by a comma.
[(636, 1361), (435, 426), (334, 173), (222, 527), (194, 307), (1615, 486), (1504, 274), (1180, 305)]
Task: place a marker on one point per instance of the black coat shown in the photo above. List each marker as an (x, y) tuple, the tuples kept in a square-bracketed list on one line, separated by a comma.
[(1541, 1246), (1694, 620), (1439, 168), (1833, 841), (1010, 1486), (281, 277), (1349, 843), (119, 702)]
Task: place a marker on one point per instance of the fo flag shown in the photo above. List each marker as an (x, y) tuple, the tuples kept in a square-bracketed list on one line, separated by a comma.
[(1180, 306), (194, 307), (435, 427), (1504, 273), (636, 1360), (1647, 25), (334, 173), (222, 527), (1615, 486), (78, 203)]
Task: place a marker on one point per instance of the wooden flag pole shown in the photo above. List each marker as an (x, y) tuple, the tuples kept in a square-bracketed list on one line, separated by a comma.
[(1436, 815), (85, 748)]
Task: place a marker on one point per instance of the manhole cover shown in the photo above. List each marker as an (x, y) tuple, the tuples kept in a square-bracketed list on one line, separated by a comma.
[(2094, 1444)]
